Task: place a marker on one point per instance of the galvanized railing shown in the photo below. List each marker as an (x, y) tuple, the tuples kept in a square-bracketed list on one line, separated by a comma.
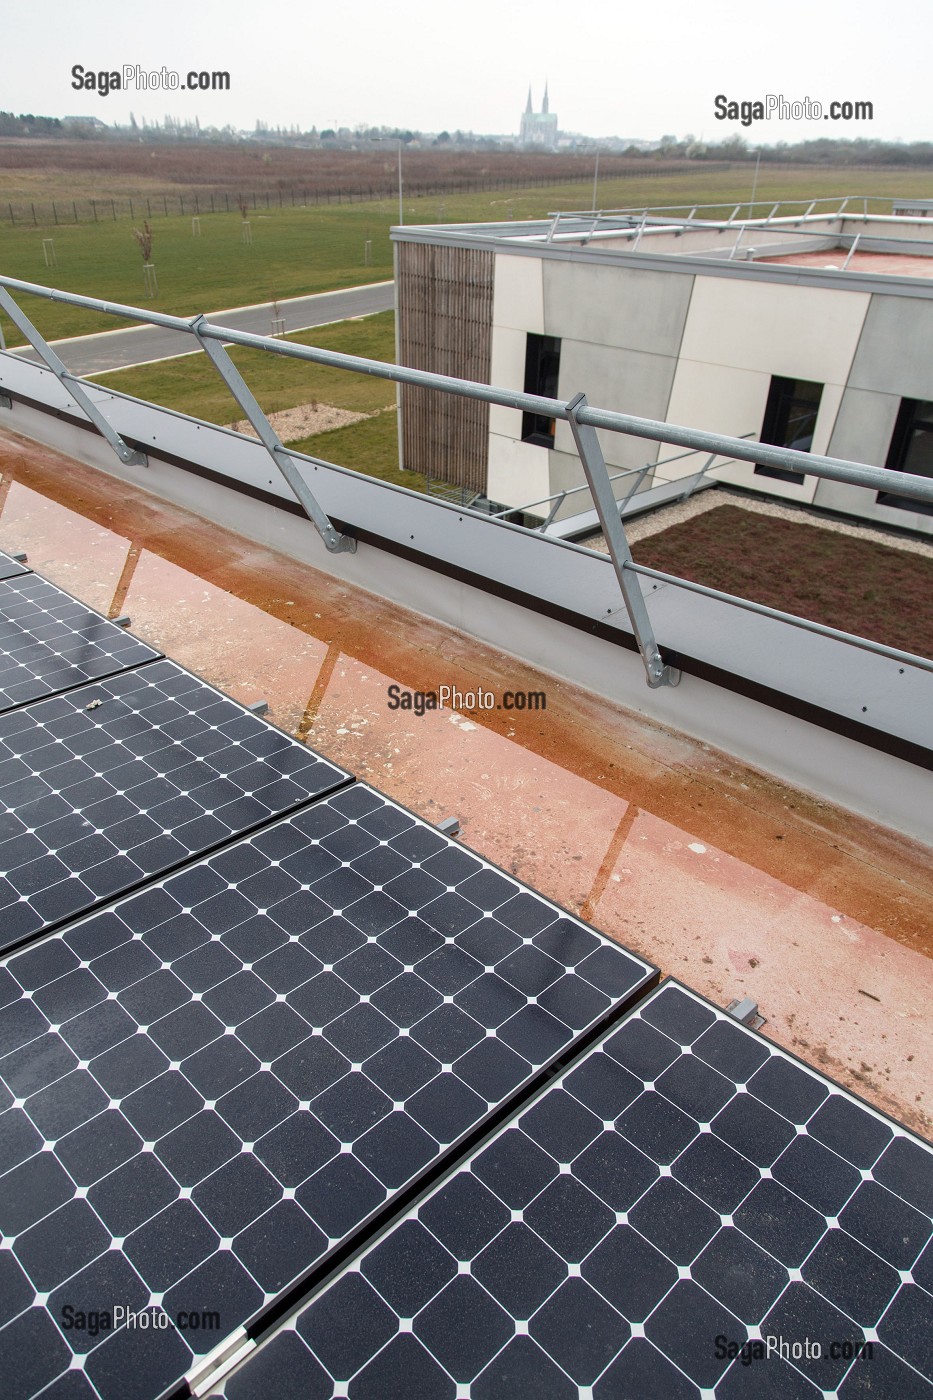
[(583, 420), (685, 215), (634, 475)]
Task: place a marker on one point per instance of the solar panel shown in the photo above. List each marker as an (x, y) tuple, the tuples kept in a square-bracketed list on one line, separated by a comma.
[(114, 782), (217, 1082), (49, 642), (685, 1192), (10, 568)]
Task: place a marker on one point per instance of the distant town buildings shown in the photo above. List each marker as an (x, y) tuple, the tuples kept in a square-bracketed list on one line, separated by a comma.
[(538, 129)]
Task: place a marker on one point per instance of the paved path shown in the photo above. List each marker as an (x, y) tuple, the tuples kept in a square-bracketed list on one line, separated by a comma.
[(138, 345)]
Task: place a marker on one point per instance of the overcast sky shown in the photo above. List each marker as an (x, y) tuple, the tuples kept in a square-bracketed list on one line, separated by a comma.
[(613, 68)]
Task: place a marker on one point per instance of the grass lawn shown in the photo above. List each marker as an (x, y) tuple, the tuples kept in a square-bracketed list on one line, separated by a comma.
[(315, 249), (873, 590), (370, 447), (190, 384)]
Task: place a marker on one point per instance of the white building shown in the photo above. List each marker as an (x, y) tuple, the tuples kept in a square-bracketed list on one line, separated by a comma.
[(810, 330)]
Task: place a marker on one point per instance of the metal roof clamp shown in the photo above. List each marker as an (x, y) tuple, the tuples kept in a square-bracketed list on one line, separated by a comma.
[(658, 673), (335, 542)]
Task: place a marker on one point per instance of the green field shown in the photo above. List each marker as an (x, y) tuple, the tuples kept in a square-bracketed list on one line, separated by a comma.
[(319, 248), (190, 384)]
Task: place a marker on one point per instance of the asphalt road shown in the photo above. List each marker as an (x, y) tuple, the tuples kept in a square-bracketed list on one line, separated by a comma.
[(136, 345)]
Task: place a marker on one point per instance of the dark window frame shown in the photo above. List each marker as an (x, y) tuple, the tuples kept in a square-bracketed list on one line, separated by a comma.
[(788, 408), (542, 370), (913, 416)]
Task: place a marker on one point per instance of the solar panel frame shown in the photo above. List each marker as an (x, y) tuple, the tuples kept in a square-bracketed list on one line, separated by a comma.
[(50, 642), (110, 784), (11, 568), (521, 1274), (170, 1088)]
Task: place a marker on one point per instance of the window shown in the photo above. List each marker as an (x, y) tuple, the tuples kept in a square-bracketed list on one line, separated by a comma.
[(542, 367), (911, 451), (790, 419)]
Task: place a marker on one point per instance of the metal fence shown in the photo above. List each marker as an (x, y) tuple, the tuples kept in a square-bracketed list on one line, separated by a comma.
[(583, 420), (54, 213)]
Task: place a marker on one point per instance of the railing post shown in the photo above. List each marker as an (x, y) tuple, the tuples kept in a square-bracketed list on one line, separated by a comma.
[(336, 542), (559, 501), (594, 466), (698, 477), (128, 455), (851, 251)]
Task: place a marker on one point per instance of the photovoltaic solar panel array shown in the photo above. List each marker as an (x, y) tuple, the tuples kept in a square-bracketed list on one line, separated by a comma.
[(684, 1191), (49, 642), (253, 1017), (107, 785)]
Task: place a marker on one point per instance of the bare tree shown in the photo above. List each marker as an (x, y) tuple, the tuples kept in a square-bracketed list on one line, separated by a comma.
[(143, 237)]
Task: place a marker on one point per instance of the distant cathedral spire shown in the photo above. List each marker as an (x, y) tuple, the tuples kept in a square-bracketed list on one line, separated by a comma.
[(539, 129)]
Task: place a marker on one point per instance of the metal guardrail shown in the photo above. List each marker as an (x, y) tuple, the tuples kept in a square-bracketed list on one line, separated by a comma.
[(644, 211), (582, 418), (557, 498)]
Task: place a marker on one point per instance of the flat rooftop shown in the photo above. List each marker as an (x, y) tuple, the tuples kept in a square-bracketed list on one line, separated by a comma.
[(727, 878), (878, 264), (847, 236)]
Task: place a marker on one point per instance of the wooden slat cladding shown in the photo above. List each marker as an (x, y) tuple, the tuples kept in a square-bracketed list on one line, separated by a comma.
[(444, 298)]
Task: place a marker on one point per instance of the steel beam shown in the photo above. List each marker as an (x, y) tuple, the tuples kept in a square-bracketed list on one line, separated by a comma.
[(127, 455), (335, 542), (594, 465)]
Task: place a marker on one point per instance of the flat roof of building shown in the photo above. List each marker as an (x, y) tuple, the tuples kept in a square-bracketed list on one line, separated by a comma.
[(879, 264), (732, 880), (832, 243)]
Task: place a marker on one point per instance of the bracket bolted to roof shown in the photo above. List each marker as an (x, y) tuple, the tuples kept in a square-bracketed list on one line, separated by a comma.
[(335, 542), (128, 455), (746, 1011), (607, 508)]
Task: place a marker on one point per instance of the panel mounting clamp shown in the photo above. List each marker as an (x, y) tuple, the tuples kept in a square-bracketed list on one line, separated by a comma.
[(746, 1011)]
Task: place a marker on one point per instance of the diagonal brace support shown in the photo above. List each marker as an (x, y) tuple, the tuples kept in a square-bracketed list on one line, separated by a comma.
[(335, 542), (607, 508), (47, 355)]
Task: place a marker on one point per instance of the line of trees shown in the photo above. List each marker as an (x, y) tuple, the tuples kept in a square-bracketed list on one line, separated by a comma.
[(826, 150)]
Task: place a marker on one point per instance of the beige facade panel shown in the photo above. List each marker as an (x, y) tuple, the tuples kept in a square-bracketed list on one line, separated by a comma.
[(795, 331), (518, 300), (625, 307), (518, 471), (895, 354)]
